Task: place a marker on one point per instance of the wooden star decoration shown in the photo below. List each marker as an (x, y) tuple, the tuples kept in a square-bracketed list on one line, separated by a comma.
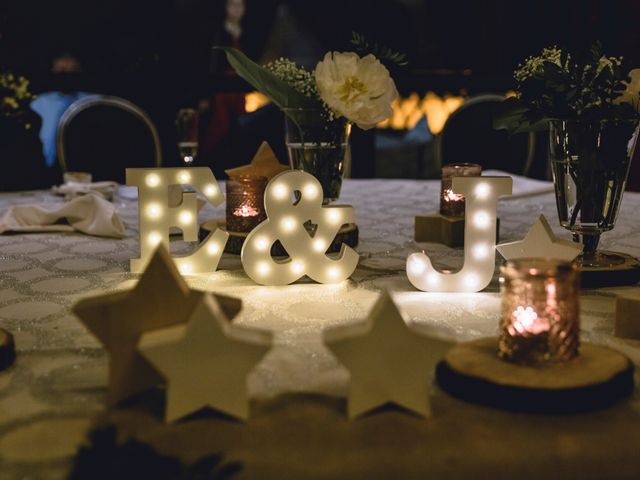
[(206, 361), (160, 299), (540, 242), (264, 164), (388, 361)]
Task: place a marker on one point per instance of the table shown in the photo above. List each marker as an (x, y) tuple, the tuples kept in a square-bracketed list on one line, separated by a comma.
[(56, 389)]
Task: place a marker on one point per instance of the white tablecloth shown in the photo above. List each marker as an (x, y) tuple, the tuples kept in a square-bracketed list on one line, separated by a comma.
[(57, 386)]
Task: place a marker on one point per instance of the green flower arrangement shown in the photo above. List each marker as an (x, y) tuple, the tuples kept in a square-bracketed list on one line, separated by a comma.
[(559, 84)]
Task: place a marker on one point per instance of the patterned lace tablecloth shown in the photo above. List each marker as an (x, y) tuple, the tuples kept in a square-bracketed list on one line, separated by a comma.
[(57, 386)]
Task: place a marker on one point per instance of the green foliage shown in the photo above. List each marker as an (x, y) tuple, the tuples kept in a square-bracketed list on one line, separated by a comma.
[(382, 52), (263, 80), (106, 459), (565, 85)]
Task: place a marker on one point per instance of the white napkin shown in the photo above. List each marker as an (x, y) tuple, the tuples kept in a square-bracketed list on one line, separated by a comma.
[(74, 189), (90, 214)]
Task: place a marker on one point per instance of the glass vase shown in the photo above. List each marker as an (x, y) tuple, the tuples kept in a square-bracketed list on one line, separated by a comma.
[(317, 146), (590, 163)]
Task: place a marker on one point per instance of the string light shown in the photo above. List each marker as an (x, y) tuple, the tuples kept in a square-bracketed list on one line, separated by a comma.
[(185, 217), (154, 210), (482, 191), (280, 191), (263, 268), (288, 224), (153, 180), (184, 177), (333, 216), (482, 220), (297, 267), (210, 190), (213, 248), (319, 245), (262, 243), (154, 239), (311, 192)]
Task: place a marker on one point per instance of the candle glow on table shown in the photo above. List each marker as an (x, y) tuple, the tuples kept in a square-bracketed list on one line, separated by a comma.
[(156, 217), (540, 311), (452, 203), (481, 195), (291, 199)]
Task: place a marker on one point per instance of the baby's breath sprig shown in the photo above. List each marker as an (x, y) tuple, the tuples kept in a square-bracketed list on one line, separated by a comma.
[(301, 80)]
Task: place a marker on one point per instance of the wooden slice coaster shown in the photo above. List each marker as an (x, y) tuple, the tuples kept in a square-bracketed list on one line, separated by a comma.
[(623, 270), (7, 350), (348, 234), (595, 379)]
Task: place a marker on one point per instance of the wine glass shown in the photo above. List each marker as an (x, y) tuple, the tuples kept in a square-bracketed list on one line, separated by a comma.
[(187, 133)]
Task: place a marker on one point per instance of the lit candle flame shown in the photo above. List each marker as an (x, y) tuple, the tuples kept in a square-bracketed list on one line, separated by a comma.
[(527, 322), (450, 196), (245, 211)]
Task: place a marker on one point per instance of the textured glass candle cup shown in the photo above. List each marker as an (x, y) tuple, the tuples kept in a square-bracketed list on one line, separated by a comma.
[(540, 318), (245, 203), (452, 204)]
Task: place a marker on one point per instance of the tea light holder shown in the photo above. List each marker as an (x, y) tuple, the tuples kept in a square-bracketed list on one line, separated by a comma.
[(540, 317), (534, 365), (452, 203), (447, 226), (245, 203)]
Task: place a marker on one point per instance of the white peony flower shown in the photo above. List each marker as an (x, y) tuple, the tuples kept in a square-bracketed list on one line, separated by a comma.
[(632, 93), (360, 89)]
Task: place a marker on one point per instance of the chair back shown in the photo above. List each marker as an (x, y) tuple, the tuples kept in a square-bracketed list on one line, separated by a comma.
[(104, 135), (469, 136)]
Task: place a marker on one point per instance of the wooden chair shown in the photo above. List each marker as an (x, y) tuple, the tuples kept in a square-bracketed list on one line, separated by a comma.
[(104, 135), (469, 136)]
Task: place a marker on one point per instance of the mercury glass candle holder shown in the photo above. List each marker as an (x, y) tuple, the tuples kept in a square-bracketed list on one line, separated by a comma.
[(540, 318), (245, 202), (451, 203)]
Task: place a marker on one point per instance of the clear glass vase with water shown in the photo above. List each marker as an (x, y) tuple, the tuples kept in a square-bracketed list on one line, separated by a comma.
[(590, 163), (318, 146)]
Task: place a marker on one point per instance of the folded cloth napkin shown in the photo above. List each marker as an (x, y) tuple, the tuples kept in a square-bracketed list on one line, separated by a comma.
[(90, 214), (73, 189)]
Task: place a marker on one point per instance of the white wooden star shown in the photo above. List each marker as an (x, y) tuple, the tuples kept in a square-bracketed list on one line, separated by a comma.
[(388, 361), (540, 242), (206, 361)]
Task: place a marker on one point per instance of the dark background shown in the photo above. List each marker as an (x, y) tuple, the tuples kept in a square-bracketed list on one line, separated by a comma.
[(157, 53)]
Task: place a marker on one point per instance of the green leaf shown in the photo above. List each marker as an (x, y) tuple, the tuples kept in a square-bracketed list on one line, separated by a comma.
[(278, 91)]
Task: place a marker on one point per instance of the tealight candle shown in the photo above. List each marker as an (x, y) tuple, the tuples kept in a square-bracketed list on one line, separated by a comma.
[(245, 202), (540, 318), (451, 203)]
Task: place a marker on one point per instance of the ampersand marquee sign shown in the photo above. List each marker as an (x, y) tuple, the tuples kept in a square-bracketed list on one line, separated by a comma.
[(481, 195), (292, 199), (156, 216)]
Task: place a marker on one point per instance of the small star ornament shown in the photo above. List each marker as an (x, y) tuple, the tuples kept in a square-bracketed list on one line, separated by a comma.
[(388, 361), (206, 361), (160, 299), (540, 242), (264, 164)]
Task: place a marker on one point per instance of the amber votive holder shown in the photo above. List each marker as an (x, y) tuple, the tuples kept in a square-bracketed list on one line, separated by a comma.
[(451, 203), (540, 314), (245, 202)]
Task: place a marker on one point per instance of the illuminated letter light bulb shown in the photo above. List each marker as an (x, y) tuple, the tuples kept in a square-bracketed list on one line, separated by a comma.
[(157, 217), (285, 222), (479, 240)]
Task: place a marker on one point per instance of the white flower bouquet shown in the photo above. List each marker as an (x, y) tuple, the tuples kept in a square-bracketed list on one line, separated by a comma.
[(345, 88)]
